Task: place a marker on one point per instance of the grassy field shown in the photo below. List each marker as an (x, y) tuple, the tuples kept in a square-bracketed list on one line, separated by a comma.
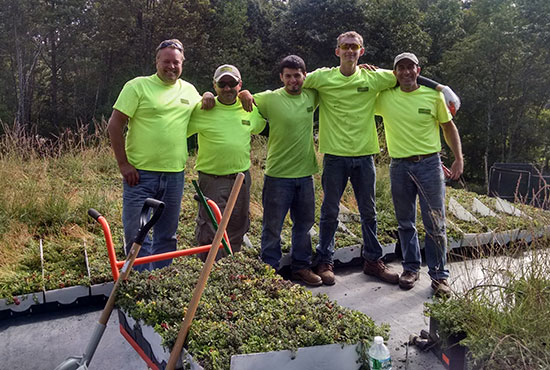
[(47, 186)]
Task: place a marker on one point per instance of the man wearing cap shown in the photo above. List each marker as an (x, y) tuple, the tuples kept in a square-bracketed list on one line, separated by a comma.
[(412, 117), (348, 139), (224, 151), (152, 159)]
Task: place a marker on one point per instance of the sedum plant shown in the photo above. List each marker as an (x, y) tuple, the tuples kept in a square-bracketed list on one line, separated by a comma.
[(245, 308)]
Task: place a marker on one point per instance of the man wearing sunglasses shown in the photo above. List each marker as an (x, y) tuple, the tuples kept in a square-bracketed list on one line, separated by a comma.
[(152, 158), (348, 139), (224, 134)]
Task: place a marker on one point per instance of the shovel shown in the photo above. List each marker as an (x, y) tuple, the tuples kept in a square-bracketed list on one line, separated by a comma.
[(205, 272), (82, 362)]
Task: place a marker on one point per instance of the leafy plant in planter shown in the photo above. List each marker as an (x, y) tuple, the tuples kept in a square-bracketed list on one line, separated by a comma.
[(505, 319), (245, 308)]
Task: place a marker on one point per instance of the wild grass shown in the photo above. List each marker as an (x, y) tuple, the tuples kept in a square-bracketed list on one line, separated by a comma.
[(46, 188), (501, 303)]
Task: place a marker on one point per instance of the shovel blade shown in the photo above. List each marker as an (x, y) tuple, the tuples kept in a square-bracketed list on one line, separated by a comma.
[(72, 363)]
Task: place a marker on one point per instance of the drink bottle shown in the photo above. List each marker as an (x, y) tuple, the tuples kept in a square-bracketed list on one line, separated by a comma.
[(379, 355)]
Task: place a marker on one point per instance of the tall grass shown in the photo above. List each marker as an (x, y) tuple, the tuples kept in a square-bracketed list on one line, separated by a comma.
[(502, 301), (46, 187)]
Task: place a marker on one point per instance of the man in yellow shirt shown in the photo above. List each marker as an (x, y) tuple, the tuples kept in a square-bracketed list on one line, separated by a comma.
[(152, 157), (412, 117), (224, 134), (348, 139)]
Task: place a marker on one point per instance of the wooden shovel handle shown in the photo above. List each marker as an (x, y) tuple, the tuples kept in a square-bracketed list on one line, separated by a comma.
[(205, 272)]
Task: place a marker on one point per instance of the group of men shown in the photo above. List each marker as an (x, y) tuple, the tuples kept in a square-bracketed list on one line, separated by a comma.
[(162, 110)]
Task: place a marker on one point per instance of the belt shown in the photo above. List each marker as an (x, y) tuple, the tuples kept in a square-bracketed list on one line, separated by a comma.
[(418, 158), (231, 176)]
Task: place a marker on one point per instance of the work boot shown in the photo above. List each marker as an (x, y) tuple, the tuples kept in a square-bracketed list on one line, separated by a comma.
[(307, 276), (380, 270), (408, 278), (441, 288), (325, 271)]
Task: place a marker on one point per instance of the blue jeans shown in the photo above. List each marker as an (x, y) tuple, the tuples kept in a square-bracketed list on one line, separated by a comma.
[(164, 186), (278, 197), (362, 175), (425, 180)]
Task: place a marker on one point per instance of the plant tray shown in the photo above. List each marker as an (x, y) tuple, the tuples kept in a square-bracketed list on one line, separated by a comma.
[(505, 237), (448, 350), (22, 302), (102, 289), (147, 344), (473, 240), (66, 295)]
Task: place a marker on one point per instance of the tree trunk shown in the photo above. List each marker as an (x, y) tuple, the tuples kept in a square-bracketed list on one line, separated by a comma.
[(487, 142), (20, 91)]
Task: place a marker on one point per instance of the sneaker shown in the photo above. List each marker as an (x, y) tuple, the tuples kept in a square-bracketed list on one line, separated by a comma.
[(441, 288), (408, 278), (380, 270), (307, 276), (325, 271)]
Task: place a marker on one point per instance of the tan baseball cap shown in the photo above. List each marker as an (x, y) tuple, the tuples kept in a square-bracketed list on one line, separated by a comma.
[(227, 70), (409, 56)]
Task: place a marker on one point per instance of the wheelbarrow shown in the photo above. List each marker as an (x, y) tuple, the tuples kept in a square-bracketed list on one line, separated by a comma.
[(82, 362)]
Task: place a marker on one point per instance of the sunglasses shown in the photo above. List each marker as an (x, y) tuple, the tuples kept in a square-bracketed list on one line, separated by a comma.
[(353, 47), (166, 44), (223, 84)]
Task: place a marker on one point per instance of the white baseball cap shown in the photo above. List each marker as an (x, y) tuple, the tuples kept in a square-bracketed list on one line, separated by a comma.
[(409, 56), (227, 70)]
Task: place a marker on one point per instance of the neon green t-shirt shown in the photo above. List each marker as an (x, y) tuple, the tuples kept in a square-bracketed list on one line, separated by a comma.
[(346, 109), (224, 137), (411, 120), (290, 149), (157, 129)]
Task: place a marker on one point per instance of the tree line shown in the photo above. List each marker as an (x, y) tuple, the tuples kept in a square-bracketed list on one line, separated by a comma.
[(63, 62)]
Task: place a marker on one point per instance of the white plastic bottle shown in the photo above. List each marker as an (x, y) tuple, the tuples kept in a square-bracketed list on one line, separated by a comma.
[(379, 355)]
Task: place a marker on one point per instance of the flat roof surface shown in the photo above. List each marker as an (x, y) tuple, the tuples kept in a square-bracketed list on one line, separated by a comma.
[(41, 341)]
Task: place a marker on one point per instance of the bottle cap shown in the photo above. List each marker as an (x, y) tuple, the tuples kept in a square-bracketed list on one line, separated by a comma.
[(378, 340)]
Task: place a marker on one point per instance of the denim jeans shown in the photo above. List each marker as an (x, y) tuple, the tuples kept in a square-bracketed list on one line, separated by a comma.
[(163, 186), (362, 175), (278, 197), (425, 180)]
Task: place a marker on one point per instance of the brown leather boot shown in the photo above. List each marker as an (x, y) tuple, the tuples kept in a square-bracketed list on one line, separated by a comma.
[(307, 276), (408, 278), (381, 271), (325, 271), (441, 288)]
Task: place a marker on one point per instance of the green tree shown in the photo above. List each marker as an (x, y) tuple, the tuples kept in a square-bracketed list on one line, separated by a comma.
[(18, 61), (309, 28), (500, 71)]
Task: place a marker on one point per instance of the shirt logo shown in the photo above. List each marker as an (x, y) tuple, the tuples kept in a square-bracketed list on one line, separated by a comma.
[(310, 109), (424, 111), (245, 122), (363, 89), (184, 101)]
